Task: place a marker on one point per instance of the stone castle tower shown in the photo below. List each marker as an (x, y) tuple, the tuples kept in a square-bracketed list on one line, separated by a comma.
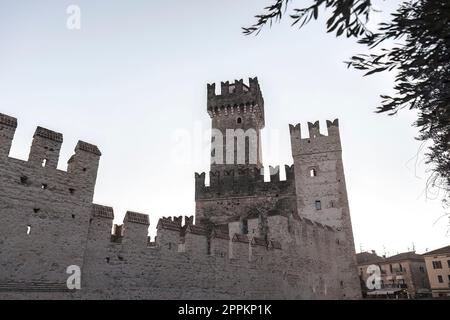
[(314, 188), (321, 188), (239, 108), (252, 239)]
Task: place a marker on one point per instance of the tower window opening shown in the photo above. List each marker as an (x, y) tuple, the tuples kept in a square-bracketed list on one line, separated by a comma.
[(44, 163), (239, 120), (245, 226), (208, 246), (44, 186), (313, 172), (318, 205), (28, 230)]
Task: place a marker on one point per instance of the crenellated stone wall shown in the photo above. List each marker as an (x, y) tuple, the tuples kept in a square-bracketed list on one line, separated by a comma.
[(251, 239)]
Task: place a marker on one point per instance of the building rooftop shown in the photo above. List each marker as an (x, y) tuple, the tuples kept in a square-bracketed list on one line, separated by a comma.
[(372, 257), (443, 250), (411, 255), (368, 257)]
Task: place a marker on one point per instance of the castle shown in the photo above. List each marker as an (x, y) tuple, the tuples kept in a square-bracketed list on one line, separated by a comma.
[(252, 239)]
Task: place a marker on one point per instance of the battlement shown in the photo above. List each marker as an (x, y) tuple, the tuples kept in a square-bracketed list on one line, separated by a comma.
[(87, 147), (8, 121), (250, 239), (235, 98), (39, 174), (243, 182), (46, 145), (173, 235), (102, 212), (48, 134), (316, 141), (135, 217), (8, 127)]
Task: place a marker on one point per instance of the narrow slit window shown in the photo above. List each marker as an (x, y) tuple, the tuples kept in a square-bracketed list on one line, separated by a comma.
[(44, 163), (208, 246), (318, 205), (245, 226), (313, 172), (28, 230), (44, 186)]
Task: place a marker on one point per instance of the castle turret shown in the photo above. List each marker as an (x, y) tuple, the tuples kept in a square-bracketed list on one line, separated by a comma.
[(322, 192), (83, 166), (237, 115), (45, 148), (100, 225), (8, 127), (135, 231), (319, 174)]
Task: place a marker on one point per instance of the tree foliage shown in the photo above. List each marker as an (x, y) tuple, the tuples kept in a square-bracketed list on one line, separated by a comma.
[(415, 44)]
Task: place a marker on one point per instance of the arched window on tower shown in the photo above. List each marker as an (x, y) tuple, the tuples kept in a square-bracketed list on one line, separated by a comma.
[(239, 120)]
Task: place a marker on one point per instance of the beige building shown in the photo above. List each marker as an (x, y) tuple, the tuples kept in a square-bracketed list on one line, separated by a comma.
[(401, 276), (438, 269)]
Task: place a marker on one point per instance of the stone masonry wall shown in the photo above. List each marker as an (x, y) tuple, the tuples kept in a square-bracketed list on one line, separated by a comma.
[(48, 222)]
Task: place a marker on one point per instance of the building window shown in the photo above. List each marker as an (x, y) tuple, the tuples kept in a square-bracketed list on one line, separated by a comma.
[(28, 230), (437, 265), (449, 278), (421, 269), (440, 279), (23, 180), (390, 268), (448, 263), (244, 226), (44, 163), (313, 172), (318, 205), (239, 120)]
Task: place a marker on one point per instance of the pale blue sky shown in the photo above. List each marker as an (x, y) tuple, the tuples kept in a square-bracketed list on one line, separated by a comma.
[(136, 73)]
